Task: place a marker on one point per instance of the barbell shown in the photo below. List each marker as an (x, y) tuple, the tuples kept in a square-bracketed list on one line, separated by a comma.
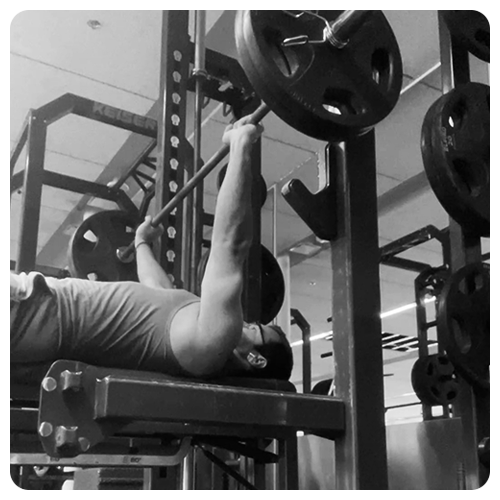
[(329, 74)]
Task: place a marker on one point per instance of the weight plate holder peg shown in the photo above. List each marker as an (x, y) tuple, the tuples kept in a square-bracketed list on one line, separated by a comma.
[(323, 91), (463, 322), (434, 381), (92, 249), (456, 154)]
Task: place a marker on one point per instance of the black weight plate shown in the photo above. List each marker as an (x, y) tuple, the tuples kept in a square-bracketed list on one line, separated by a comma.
[(327, 93), (433, 380), (92, 249), (471, 29), (463, 322), (261, 182), (272, 287), (272, 284), (456, 154)]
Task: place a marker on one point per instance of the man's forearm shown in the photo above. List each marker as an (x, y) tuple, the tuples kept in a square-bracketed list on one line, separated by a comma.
[(233, 218), (149, 271)]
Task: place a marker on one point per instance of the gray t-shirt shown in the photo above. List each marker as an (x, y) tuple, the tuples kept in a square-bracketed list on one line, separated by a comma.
[(121, 325)]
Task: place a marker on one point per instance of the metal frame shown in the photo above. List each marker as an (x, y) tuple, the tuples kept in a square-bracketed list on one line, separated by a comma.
[(360, 455), (389, 252), (299, 320), (348, 218), (471, 406), (34, 176), (174, 67)]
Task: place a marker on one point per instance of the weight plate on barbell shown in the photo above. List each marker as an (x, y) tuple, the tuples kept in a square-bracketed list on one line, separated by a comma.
[(471, 29), (272, 284), (456, 155), (434, 381), (324, 92), (463, 322), (92, 249)]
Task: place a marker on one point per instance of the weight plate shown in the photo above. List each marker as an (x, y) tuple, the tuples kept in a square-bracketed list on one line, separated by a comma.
[(92, 249), (434, 381), (261, 183), (272, 284), (463, 322), (321, 91), (471, 29), (456, 155)]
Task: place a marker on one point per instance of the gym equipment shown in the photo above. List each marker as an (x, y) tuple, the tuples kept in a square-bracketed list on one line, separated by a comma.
[(261, 182), (471, 29), (92, 249), (463, 322), (106, 402), (456, 155), (328, 74), (362, 91), (272, 284), (434, 381)]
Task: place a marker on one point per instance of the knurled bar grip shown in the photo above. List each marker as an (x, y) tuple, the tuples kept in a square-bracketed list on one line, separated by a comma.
[(219, 155)]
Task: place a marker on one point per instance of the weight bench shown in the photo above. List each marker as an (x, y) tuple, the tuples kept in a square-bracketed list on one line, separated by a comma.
[(89, 416)]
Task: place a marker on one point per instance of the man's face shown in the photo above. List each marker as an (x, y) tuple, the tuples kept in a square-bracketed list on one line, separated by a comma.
[(254, 335)]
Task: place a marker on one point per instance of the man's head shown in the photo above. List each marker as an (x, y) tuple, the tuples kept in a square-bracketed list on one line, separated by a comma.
[(264, 352)]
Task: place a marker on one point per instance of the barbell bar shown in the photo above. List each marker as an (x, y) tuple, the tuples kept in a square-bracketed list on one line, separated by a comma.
[(124, 254)]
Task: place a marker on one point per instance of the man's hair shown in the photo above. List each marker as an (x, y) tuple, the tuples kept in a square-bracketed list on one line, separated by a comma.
[(279, 357)]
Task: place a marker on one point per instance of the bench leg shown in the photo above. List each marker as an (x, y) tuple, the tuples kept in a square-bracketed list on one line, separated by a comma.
[(288, 471), (162, 478)]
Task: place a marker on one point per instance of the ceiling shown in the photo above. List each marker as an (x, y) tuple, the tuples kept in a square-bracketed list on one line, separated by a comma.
[(55, 52)]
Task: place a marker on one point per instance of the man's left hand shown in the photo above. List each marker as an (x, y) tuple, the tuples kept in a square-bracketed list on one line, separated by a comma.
[(147, 233)]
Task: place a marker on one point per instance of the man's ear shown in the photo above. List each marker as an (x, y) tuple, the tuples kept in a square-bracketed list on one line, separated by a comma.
[(256, 360)]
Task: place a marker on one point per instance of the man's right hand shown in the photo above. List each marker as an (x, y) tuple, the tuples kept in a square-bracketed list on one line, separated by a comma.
[(147, 233), (242, 130)]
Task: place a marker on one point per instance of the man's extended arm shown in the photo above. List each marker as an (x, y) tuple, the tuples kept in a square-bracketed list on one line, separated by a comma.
[(150, 273), (220, 320)]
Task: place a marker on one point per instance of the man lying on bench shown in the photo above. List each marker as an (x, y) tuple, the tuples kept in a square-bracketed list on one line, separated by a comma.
[(151, 326)]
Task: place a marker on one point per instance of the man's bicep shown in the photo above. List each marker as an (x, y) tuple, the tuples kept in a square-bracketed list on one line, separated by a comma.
[(223, 279), (221, 294)]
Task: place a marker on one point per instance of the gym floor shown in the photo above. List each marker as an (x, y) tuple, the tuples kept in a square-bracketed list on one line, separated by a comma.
[(113, 57)]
